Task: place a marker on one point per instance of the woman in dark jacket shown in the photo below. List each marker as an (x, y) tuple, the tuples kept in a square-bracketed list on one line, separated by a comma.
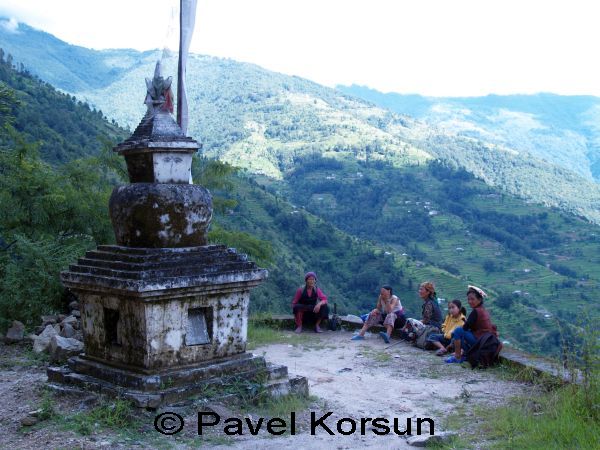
[(431, 312)]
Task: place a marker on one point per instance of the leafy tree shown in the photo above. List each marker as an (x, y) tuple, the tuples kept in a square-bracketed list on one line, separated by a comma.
[(490, 266), (504, 301)]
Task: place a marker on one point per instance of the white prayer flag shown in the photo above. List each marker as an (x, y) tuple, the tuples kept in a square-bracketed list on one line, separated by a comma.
[(187, 19)]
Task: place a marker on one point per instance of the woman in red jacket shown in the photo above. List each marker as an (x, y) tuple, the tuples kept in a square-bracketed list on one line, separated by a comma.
[(309, 304), (477, 324)]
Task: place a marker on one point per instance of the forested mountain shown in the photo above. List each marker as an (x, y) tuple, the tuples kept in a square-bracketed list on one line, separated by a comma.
[(263, 121), (564, 130), (65, 128), (51, 213), (363, 195), (68, 67)]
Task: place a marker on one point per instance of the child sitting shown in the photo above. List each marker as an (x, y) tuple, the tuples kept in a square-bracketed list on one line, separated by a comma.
[(455, 318)]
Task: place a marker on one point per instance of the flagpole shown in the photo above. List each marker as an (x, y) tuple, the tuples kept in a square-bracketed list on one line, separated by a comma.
[(180, 70), (187, 19)]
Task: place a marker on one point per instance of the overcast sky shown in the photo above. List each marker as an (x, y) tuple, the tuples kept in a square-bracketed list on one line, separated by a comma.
[(430, 47)]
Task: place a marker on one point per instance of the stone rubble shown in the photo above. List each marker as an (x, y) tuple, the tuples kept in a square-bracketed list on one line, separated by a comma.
[(429, 440), (41, 342), (49, 320), (62, 348), (66, 330), (15, 333), (59, 335)]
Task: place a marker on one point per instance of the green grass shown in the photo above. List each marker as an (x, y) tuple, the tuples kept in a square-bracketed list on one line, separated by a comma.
[(515, 372), (556, 419), (552, 415), (282, 406), (260, 334), (47, 406), (117, 415)]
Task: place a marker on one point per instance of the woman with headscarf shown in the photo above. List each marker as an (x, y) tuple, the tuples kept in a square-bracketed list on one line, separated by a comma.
[(388, 312), (431, 313), (477, 324), (309, 304)]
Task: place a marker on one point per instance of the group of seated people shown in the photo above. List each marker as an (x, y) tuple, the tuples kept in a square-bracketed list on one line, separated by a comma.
[(456, 333)]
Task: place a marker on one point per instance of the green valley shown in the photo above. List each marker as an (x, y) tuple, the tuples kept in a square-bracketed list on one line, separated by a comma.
[(304, 178), (262, 121)]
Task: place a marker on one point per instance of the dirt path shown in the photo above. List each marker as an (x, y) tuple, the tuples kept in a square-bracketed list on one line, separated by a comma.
[(362, 379), (351, 379)]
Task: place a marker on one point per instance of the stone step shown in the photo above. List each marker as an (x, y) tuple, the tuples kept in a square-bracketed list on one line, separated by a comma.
[(201, 260), (278, 388), (245, 365), (158, 251), (157, 287), (171, 255), (59, 377), (182, 271), (277, 372)]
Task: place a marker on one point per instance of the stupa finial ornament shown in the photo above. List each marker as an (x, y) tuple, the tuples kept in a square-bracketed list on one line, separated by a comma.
[(158, 91), (160, 208)]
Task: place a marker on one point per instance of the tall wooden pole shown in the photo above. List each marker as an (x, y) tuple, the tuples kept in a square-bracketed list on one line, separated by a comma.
[(187, 19), (180, 74)]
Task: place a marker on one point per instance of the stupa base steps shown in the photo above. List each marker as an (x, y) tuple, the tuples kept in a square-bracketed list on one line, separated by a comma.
[(176, 385)]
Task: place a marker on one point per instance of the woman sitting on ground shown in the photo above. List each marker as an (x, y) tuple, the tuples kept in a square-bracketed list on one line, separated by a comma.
[(455, 318), (388, 312), (477, 324), (309, 304), (431, 312)]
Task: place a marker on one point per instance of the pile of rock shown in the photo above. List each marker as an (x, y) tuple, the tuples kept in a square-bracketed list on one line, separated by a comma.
[(59, 335)]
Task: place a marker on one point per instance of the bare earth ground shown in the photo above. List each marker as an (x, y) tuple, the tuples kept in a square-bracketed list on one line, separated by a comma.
[(350, 379)]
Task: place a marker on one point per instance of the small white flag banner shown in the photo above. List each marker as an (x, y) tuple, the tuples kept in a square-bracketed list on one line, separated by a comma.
[(187, 20)]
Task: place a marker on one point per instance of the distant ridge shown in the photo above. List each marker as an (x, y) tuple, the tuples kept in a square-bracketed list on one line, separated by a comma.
[(564, 130), (68, 67)]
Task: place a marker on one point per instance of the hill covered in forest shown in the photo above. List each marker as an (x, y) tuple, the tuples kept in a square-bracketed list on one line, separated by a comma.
[(64, 128), (331, 183), (51, 213), (263, 121)]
